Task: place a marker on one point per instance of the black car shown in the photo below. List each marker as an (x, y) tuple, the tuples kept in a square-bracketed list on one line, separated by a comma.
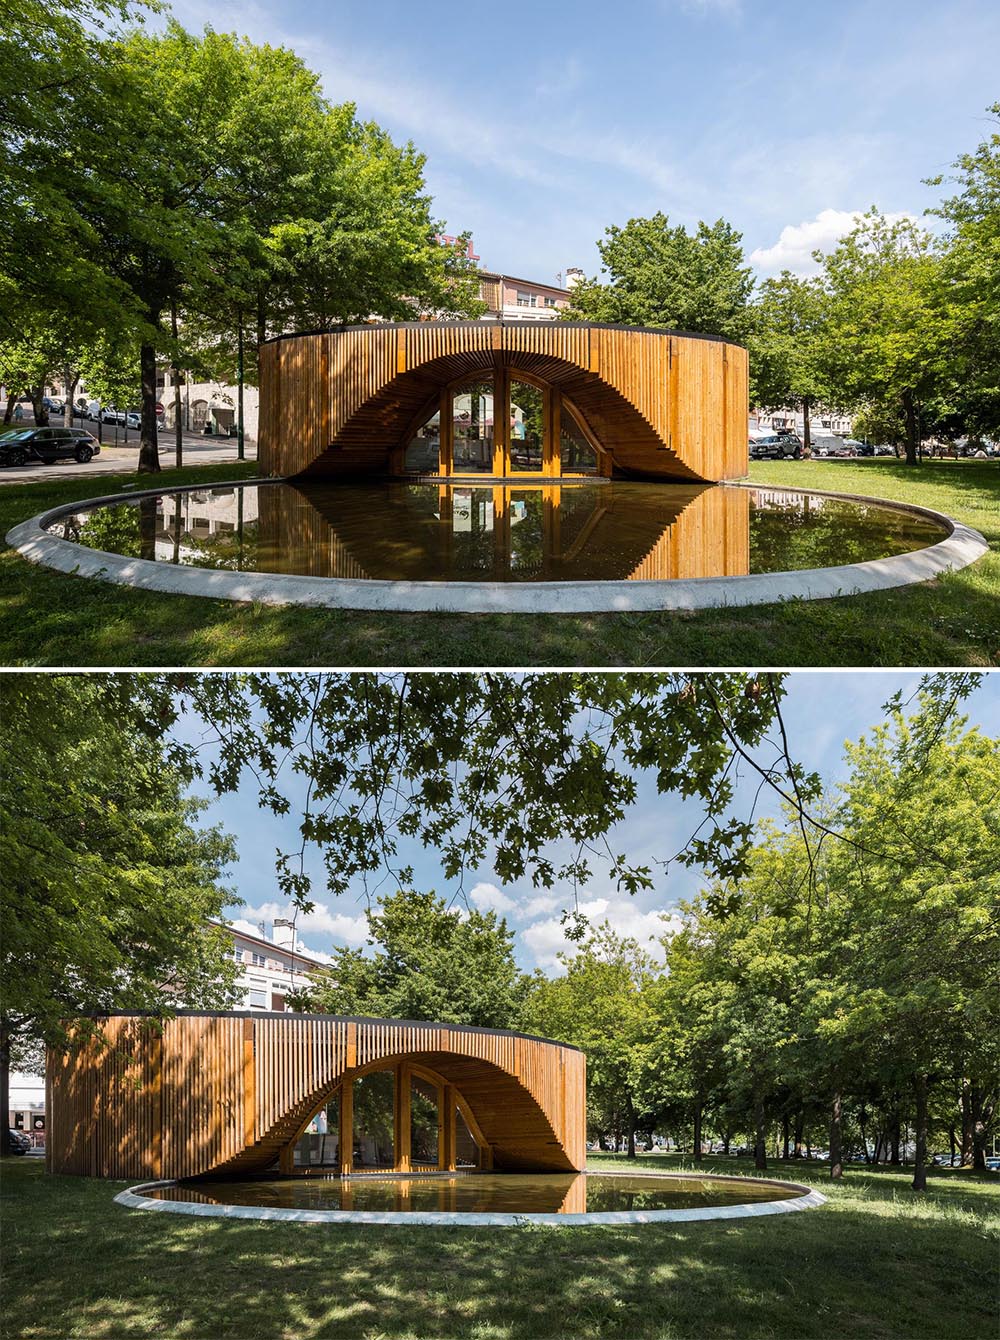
[(17, 1141), (47, 445)]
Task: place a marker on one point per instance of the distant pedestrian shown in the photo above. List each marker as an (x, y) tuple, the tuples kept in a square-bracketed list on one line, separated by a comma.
[(18, 413)]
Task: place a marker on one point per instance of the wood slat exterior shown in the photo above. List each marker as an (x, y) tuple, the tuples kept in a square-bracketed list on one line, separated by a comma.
[(138, 1097), (658, 403)]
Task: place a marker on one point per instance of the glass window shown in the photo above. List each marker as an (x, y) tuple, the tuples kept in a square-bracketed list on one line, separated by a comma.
[(319, 1145), (472, 427), (423, 1123), (466, 1149), (423, 451), (527, 423), (550, 302), (525, 299), (258, 994), (374, 1118), (578, 456)]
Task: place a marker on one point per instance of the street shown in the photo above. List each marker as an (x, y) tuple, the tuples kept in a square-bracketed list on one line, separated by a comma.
[(198, 450)]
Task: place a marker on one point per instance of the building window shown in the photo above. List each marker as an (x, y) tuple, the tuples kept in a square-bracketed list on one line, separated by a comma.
[(258, 960), (258, 994), (525, 299), (238, 955), (550, 302)]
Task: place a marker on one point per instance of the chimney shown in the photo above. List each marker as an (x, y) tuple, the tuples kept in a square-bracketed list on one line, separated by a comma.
[(284, 933), (574, 276)]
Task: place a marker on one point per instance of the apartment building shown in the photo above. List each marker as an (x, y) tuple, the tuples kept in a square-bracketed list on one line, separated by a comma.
[(270, 967)]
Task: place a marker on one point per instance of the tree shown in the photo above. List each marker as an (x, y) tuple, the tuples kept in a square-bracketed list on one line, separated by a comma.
[(891, 330), (108, 878), (429, 963), (971, 266), (789, 325), (208, 173), (602, 1005), (665, 276)]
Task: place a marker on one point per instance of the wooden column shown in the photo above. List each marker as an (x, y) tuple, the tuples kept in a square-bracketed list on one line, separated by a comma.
[(401, 1126), (249, 1086), (501, 417), (553, 431), (446, 434), (448, 1141), (156, 1101), (345, 1133), (286, 1158)]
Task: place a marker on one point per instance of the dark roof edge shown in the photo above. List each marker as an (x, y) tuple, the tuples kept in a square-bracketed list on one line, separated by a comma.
[(515, 324), (330, 1018)]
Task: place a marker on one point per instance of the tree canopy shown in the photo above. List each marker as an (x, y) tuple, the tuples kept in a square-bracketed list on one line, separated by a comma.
[(429, 962), (109, 880)]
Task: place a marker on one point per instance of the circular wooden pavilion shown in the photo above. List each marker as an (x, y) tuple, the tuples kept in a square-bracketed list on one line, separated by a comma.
[(527, 400), (237, 1092)]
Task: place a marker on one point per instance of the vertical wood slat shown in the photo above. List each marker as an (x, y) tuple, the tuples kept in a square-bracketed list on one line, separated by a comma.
[(229, 1091), (665, 404)]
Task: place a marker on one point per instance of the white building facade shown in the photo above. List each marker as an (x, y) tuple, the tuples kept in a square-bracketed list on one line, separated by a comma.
[(270, 968)]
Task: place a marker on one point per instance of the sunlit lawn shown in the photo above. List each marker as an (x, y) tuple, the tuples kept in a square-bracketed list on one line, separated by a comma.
[(877, 1261), (50, 619)]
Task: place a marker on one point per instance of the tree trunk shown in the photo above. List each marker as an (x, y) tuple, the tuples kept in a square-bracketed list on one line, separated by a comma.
[(863, 1123), (982, 1113), (8, 413), (726, 1141), (40, 412), (178, 431), (5, 1083), (894, 1138), (70, 381), (806, 426), (910, 411), (785, 1135), (630, 1113), (149, 455), (760, 1133), (966, 1123), (698, 1111), (800, 1121), (920, 1157), (836, 1145)]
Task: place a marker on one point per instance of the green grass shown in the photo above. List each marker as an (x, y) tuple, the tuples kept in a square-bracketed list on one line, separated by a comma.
[(877, 1261), (49, 619)]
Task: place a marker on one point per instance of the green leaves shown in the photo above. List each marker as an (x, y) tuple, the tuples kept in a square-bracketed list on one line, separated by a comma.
[(664, 276)]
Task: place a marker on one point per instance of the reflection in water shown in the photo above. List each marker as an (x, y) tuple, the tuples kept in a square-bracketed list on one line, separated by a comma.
[(467, 532), (472, 1193)]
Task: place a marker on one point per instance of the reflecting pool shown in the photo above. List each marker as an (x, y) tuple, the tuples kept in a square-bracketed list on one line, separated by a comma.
[(481, 1193), (588, 531)]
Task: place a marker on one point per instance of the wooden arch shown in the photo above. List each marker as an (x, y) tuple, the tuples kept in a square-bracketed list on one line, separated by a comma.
[(227, 1092), (656, 403)]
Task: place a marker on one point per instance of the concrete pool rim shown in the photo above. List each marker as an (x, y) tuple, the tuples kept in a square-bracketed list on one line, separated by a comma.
[(960, 546), (804, 1199)]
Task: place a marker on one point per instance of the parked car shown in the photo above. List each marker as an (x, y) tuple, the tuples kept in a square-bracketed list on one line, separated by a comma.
[(52, 405), (47, 445), (775, 445), (133, 419), (17, 1141)]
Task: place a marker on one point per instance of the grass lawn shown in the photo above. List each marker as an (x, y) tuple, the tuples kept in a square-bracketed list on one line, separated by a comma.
[(48, 619), (877, 1261)]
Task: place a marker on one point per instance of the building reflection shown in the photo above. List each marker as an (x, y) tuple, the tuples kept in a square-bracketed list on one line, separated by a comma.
[(402, 532)]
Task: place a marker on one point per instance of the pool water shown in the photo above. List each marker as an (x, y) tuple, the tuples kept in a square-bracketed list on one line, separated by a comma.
[(589, 531), (479, 1193)]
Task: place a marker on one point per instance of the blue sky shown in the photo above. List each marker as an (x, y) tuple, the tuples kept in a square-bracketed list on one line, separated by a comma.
[(822, 710), (544, 123)]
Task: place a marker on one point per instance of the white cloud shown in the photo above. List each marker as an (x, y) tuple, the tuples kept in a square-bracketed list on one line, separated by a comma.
[(546, 939), (487, 898), (794, 247), (321, 921)]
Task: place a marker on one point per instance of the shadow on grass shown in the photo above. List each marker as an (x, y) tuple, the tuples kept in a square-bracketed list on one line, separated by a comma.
[(80, 1265)]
